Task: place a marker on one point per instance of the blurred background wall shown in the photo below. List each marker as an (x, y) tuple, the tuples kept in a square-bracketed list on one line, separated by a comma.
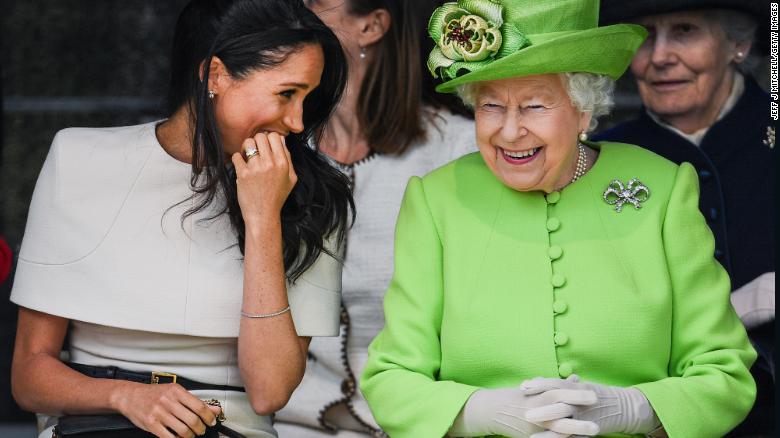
[(68, 63), (92, 63)]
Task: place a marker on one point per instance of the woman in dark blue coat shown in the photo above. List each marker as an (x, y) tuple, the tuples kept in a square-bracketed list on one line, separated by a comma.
[(699, 107)]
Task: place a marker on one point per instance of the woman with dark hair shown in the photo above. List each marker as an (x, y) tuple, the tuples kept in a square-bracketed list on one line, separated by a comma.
[(191, 258), (390, 125)]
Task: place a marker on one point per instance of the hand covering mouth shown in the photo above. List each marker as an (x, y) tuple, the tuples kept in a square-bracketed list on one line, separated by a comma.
[(268, 131)]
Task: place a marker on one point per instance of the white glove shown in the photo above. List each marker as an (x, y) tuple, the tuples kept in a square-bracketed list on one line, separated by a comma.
[(502, 412), (755, 301), (617, 410)]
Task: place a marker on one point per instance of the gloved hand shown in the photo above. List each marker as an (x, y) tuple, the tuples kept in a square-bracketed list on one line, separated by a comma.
[(755, 301), (503, 411), (621, 410)]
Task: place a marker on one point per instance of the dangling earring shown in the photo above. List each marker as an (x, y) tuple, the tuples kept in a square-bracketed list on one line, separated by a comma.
[(583, 136), (362, 53), (212, 93)]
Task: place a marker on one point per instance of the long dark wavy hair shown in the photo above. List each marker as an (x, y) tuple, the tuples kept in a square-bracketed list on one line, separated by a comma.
[(248, 36)]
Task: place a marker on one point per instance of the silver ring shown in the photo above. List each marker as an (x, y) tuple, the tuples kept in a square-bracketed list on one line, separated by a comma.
[(251, 153)]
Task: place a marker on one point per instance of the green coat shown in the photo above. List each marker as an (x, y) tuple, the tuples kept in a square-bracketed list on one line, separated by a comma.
[(493, 286)]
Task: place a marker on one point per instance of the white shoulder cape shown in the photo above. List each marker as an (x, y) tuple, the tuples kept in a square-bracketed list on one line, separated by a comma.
[(105, 244)]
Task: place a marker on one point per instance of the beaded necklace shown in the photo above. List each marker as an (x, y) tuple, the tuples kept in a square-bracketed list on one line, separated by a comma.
[(582, 162)]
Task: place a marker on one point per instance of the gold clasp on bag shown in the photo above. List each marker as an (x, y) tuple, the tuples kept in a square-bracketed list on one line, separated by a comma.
[(157, 374)]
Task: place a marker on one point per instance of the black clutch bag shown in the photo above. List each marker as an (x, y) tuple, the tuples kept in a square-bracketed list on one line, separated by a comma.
[(116, 425), (107, 426)]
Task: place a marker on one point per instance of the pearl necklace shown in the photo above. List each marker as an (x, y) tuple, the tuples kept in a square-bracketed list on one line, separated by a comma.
[(582, 162)]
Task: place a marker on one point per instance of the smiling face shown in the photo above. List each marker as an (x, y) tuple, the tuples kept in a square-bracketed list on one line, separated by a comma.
[(684, 69), (527, 131), (268, 100)]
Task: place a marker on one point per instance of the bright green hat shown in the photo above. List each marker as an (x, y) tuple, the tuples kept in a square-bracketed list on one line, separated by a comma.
[(484, 40)]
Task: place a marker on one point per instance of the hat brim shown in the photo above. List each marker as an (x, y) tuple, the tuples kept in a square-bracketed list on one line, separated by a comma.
[(606, 50), (620, 11)]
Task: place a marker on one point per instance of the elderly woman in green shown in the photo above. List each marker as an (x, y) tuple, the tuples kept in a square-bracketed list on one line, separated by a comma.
[(550, 286)]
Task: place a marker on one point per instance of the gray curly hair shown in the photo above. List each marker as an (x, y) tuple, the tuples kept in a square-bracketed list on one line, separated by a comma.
[(589, 92)]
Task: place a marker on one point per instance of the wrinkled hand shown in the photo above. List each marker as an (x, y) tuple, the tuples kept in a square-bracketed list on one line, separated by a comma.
[(617, 410), (503, 411), (264, 181), (167, 411)]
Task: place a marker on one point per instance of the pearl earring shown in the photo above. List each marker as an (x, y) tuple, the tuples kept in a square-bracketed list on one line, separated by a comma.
[(583, 136), (740, 55), (212, 93), (362, 53)]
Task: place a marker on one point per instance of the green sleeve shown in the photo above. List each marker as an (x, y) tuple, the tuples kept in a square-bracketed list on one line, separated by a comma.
[(400, 379), (710, 389)]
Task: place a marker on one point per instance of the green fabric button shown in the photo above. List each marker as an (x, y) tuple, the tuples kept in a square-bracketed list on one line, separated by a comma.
[(553, 224), (557, 280), (555, 252), (559, 307), (553, 197), (561, 339), (565, 370)]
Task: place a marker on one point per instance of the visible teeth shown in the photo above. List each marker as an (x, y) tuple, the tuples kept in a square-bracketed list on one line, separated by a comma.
[(527, 153)]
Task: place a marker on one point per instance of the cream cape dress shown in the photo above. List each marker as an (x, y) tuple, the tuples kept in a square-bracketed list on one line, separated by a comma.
[(105, 247)]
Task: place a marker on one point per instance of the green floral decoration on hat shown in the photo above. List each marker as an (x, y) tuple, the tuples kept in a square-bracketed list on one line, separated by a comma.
[(469, 35)]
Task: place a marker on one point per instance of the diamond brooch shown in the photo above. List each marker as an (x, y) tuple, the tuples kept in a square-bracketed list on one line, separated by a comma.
[(618, 194)]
